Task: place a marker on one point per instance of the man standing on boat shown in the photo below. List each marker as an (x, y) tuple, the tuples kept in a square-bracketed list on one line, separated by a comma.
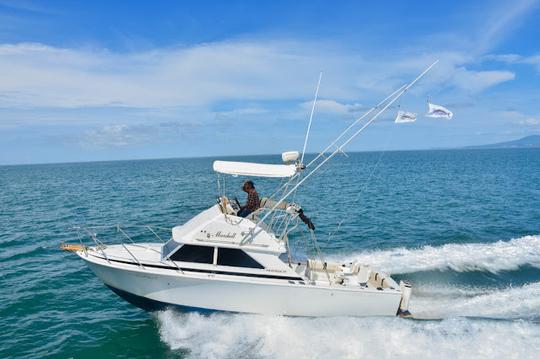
[(253, 202)]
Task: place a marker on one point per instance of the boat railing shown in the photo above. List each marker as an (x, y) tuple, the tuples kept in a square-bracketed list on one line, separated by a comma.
[(280, 223), (117, 231)]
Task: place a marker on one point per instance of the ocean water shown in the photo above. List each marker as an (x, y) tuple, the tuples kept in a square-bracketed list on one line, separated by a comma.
[(462, 225)]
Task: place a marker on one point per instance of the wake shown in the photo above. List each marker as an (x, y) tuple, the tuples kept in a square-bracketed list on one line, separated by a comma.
[(489, 257), (445, 302), (258, 336)]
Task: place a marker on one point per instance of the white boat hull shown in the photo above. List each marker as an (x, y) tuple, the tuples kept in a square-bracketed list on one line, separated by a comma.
[(152, 288)]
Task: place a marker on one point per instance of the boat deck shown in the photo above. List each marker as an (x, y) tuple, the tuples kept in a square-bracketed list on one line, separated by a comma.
[(145, 253)]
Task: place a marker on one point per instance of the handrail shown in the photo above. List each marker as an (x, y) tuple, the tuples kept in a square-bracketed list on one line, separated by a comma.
[(176, 265), (279, 218), (119, 229), (99, 244), (124, 225), (155, 234), (131, 254)]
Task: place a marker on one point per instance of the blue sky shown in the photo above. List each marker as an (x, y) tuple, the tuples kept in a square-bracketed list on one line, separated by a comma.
[(106, 80)]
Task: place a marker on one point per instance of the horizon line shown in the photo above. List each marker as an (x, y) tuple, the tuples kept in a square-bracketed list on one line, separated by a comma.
[(249, 155)]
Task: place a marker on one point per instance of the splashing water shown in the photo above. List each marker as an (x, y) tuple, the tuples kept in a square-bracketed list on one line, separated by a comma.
[(248, 336), (509, 303), (490, 257)]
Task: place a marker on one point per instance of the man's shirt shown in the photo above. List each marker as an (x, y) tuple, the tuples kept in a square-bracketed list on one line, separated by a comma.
[(253, 203)]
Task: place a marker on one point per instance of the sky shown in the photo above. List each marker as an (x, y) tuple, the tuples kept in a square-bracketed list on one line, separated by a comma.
[(111, 80)]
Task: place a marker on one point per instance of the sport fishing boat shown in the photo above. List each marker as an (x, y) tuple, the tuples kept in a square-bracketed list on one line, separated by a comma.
[(218, 261)]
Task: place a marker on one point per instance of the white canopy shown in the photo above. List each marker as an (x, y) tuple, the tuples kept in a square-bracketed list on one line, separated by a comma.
[(254, 169)]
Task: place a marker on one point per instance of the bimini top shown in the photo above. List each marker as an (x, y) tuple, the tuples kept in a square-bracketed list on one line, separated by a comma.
[(254, 169)]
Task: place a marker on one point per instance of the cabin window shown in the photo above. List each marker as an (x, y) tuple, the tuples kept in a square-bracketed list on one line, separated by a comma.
[(236, 258), (195, 254)]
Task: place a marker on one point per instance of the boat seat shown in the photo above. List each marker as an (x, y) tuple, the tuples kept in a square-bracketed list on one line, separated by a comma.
[(318, 265), (266, 203), (379, 280), (364, 272), (270, 203), (225, 206), (316, 269)]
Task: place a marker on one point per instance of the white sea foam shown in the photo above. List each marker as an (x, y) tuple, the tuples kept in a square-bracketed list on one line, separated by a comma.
[(252, 336), (490, 257), (510, 303)]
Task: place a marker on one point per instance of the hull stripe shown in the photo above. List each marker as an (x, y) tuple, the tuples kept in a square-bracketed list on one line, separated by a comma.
[(210, 271)]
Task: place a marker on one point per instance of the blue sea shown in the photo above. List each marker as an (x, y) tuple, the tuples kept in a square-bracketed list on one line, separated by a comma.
[(462, 225)]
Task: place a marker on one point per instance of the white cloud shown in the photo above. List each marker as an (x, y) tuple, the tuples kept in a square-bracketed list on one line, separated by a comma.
[(501, 21), (476, 81), (509, 58), (36, 75), (516, 59), (533, 60), (122, 135), (521, 118), (533, 121), (243, 112), (115, 136), (333, 107)]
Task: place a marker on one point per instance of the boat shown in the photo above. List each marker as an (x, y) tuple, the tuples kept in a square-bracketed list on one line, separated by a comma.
[(218, 261)]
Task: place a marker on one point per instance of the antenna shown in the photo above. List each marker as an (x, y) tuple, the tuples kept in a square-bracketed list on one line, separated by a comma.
[(311, 118)]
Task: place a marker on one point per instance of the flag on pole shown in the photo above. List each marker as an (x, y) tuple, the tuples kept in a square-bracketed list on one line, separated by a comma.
[(437, 111), (404, 117)]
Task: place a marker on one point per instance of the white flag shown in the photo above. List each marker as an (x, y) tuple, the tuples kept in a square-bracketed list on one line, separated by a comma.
[(437, 111), (404, 117)]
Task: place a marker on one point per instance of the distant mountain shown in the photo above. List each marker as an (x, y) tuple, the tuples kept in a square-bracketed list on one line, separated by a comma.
[(525, 142)]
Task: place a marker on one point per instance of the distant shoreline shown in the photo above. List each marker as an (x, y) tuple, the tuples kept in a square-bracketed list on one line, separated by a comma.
[(532, 141)]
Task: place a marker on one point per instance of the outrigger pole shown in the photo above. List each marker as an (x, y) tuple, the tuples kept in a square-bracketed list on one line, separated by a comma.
[(311, 117), (340, 148)]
